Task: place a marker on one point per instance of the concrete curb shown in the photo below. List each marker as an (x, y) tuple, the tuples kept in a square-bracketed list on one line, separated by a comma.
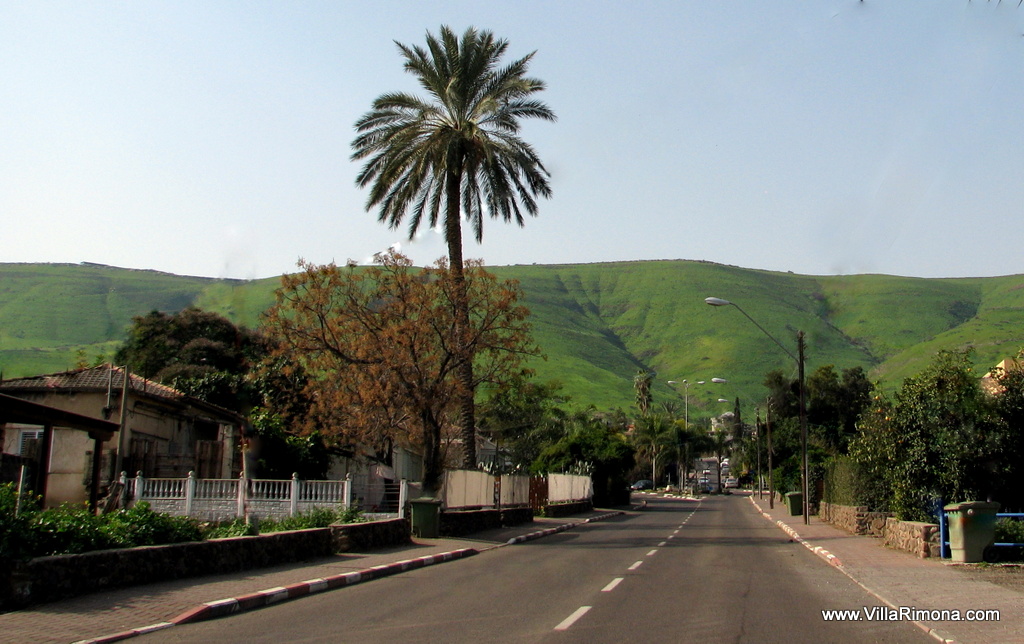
[(832, 559), (222, 607), (562, 528), (818, 550)]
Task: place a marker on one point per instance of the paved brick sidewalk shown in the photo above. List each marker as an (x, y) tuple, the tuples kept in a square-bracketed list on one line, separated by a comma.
[(900, 579), (101, 615)]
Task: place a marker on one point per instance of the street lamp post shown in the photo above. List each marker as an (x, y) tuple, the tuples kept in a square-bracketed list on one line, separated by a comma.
[(686, 415), (717, 301), (686, 396)]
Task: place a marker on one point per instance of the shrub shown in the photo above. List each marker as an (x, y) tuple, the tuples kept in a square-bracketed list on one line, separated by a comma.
[(141, 526), (68, 529), (16, 537), (1009, 531), (351, 515), (233, 528)]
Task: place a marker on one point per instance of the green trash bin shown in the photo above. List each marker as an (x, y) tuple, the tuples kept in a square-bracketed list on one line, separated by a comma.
[(426, 517), (972, 528), (795, 501)]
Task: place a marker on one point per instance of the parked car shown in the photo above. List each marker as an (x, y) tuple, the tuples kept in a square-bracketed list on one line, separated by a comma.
[(642, 485), (732, 482)]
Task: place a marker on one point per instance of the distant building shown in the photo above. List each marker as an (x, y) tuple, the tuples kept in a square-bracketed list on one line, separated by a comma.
[(990, 381), (165, 432)]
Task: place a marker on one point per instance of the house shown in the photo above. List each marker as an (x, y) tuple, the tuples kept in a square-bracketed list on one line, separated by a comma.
[(990, 381), (161, 432), (23, 469)]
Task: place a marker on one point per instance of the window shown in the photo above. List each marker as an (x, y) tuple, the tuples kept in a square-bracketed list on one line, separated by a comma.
[(31, 442)]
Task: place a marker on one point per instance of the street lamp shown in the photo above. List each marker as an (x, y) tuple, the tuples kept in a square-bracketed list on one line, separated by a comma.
[(686, 413), (686, 396), (717, 301)]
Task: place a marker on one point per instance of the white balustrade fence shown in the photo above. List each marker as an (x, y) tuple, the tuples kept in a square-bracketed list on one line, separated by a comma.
[(226, 499)]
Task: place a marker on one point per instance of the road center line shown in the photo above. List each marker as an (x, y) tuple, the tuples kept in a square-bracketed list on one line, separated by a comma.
[(671, 536), (610, 587), (571, 619), (652, 552), (662, 544), (636, 565)]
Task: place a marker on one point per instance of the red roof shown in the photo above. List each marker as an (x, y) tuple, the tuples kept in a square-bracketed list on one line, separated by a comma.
[(91, 379)]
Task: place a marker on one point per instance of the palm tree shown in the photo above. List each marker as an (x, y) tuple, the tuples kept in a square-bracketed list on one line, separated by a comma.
[(654, 435), (455, 154)]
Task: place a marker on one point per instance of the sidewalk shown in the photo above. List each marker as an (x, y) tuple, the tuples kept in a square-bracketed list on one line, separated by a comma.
[(899, 579), (119, 614)]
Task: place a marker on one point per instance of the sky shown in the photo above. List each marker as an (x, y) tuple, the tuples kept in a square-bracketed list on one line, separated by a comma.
[(825, 138)]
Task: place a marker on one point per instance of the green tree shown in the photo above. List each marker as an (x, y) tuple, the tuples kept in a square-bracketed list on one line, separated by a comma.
[(593, 444), (523, 418), (192, 345), (654, 436), (642, 386), (455, 154), (834, 404), (936, 438)]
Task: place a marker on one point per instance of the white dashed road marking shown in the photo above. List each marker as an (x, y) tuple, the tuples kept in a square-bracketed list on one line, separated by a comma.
[(610, 587), (571, 619)]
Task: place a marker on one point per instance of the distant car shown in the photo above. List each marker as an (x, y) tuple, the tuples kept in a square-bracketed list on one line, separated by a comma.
[(732, 482), (642, 485)]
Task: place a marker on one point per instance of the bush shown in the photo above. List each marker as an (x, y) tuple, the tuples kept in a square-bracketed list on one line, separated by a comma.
[(141, 526), (16, 536), (68, 529), (315, 518), (1009, 531), (233, 528)]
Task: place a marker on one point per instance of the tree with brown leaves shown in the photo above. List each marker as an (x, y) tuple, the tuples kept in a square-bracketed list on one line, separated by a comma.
[(379, 347)]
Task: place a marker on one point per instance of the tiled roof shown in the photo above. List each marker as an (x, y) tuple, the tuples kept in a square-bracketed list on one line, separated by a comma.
[(91, 379)]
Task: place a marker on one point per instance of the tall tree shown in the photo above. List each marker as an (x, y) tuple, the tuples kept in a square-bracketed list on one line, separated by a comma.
[(642, 386), (377, 347), (455, 154)]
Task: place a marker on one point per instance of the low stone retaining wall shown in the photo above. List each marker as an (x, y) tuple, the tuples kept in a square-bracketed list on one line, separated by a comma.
[(46, 579), (915, 537), (372, 535), (854, 519), (516, 516), (456, 523), (568, 509), (919, 539)]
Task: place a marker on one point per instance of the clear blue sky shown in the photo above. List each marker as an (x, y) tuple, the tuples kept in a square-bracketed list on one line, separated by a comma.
[(826, 137)]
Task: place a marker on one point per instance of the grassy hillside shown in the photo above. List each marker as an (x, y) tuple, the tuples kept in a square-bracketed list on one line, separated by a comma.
[(598, 324)]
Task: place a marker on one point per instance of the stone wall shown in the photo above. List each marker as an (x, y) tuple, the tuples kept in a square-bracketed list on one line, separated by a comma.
[(456, 523), (516, 516), (47, 579), (854, 519), (920, 539), (568, 509), (462, 522)]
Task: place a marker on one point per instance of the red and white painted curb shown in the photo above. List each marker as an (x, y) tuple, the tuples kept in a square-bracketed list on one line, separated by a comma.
[(818, 550), (222, 607)]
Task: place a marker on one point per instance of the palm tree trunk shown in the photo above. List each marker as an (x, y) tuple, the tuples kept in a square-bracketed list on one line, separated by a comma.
[(464, 373)]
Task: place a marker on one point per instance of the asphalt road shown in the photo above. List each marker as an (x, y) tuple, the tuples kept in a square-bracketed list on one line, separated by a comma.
[(676, 572)]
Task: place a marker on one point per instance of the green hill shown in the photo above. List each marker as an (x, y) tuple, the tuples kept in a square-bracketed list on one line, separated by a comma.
[(598, 324)]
